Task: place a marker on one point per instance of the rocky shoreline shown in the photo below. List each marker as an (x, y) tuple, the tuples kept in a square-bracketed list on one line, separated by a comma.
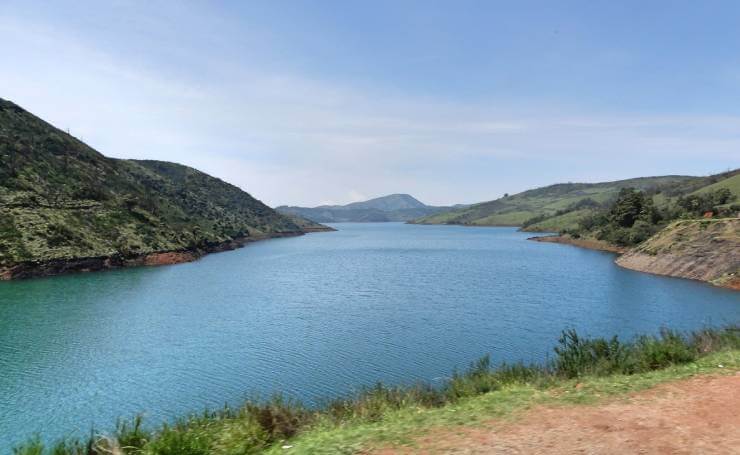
[(583, 243), (677, 266), (318, 229), (702, 250), (51, 267)]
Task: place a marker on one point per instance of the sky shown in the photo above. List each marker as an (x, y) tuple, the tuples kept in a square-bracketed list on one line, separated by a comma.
[(330, 102)]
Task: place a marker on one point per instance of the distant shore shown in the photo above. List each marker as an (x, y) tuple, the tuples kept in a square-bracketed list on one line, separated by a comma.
[(591, 244)]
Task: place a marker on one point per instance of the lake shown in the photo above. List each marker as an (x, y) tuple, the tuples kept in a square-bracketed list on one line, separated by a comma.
[(313, 317)]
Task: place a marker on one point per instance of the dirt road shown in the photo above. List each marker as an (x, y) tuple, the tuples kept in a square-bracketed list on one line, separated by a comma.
[(700, 415)]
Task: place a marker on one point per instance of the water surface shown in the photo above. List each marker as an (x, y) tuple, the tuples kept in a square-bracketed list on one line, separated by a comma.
[(312, 316)]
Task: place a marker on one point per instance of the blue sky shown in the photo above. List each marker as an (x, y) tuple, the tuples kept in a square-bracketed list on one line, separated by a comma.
[(310, 102)]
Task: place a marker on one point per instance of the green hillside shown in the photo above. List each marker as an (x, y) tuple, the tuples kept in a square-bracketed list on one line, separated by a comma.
[(517, 209), (567, 221), (730, 183), (669, 194), (659, 205), (62, 200)]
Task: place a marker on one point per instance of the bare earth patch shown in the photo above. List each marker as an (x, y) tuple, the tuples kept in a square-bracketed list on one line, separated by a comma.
[(591, 244), (705, 250), (698, 415)]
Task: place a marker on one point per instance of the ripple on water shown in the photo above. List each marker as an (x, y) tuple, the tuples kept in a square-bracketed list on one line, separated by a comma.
[(315, 316)]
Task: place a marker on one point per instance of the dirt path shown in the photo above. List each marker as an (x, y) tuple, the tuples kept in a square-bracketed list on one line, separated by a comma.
[(695, 416)]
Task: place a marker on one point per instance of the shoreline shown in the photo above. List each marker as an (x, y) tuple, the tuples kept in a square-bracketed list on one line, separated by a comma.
[(54, 267), (583, 243), (308, 230), (478, 394), (626, 260), (640, 262), (625, 256), (465, 225)]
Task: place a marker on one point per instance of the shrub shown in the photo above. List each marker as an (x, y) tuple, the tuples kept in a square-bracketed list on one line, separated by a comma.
[(476, 380), (576, 356), (131, 435), (670, 348), (640, 232), (180, 440), (278, 418)]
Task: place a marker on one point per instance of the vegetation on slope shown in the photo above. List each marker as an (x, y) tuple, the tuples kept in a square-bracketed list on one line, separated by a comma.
[(634, 216), (62, 200), (669, 201), (382, 414), (547, 201)]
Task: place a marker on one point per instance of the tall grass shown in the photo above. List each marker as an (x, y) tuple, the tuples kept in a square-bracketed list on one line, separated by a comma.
[(259, 425)]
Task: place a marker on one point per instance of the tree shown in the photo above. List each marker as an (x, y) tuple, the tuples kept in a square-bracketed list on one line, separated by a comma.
[(628, 208)]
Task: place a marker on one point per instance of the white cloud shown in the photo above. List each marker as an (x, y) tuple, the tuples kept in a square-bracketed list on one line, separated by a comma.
[(295, 140)]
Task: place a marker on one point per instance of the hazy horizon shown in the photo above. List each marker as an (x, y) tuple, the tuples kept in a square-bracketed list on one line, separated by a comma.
[(313, 103)]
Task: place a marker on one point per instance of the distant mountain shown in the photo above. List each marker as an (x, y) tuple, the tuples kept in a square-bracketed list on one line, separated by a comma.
[(64, 206), (389, 203), (394, 207)]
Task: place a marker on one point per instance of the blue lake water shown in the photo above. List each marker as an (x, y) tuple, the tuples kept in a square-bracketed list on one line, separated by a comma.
[(313, 317)]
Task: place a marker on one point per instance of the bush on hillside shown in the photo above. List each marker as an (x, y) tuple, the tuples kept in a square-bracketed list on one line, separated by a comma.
[(633, 217), (698, 204)]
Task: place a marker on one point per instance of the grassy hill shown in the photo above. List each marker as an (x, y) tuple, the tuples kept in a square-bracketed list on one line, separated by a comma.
[(731, 183), (669, 194), (691, 198), (62, 201), (547, 201)]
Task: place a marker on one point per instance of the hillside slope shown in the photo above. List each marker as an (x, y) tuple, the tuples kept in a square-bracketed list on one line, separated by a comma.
[(67, 207), (394, 207), (730, 183), (706, 250), (546, 201), (667, 198)]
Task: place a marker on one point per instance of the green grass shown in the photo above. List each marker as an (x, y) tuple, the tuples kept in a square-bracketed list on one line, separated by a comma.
[(546, 205), (515, 209), (384, 415), (402, 427), (566, 222), (514, 218), (731, 183)]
